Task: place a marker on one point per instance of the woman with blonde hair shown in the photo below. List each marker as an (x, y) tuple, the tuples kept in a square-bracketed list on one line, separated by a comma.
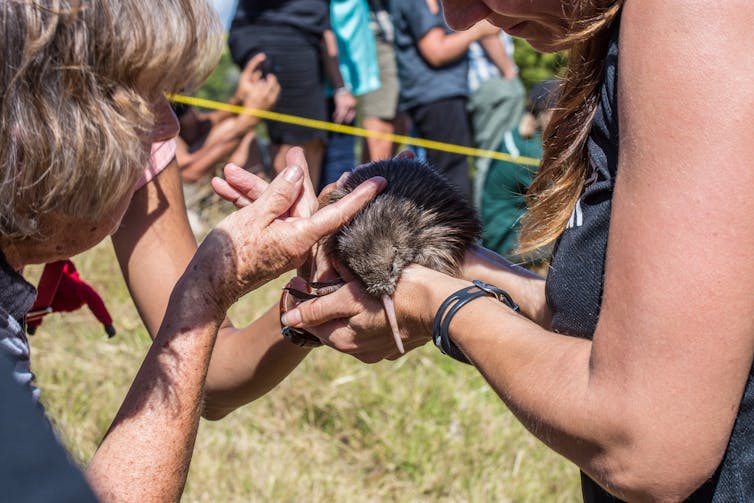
[(83, 112), (633, 358)]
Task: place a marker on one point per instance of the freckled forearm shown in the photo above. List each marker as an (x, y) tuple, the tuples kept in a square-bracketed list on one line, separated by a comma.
[(155, 428)]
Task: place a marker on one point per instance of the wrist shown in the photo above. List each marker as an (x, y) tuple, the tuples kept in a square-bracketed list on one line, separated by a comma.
[(210, 278), (192, 305), (424, 291), (453, 304), (342, 89), (236, 100)]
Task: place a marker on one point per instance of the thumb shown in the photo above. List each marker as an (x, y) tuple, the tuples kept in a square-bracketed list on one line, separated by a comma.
[(281, 193), (333, 216)]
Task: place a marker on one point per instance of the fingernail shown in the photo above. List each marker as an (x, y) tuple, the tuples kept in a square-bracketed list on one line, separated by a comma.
[(293, 173), (291, 318), (343, 179), (380, 181)]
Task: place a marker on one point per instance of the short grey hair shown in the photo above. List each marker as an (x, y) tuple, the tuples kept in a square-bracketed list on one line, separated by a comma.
[(74, 120)]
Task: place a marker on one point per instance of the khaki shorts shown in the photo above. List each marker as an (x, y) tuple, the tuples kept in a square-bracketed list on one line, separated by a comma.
[(383, 103)]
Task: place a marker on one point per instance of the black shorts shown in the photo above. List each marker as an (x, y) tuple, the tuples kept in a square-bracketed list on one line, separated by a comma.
[(294, 57)]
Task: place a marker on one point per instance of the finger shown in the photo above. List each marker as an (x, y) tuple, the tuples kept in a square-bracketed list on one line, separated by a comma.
[(341, 182), (248, 184), (342, 303), (337, 335), (307, 204), (255, 63), (281, 194), (333, 216), (273, 87), (324, 195), (342, 270), (224, 190), (350, 116), (368, 348), (323, 269)]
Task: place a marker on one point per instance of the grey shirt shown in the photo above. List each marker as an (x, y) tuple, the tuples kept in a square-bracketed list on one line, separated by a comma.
[(422, 84), (16, 298)]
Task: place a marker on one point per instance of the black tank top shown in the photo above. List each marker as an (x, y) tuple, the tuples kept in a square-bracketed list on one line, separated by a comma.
[(576, 279)]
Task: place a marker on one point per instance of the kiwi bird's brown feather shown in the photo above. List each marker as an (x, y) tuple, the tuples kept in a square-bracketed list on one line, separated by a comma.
[(420, 218)]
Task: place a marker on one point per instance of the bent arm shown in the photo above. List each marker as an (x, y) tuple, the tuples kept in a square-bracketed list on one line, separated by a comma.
[(495, 51), (154, 245), (647, 408), (439, 48), (154, 430), (217, 147)]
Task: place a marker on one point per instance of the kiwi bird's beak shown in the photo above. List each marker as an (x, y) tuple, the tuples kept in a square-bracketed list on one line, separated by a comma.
[(387, 302)]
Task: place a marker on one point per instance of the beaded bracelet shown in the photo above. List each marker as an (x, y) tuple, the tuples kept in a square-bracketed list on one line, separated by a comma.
[(453, 304)]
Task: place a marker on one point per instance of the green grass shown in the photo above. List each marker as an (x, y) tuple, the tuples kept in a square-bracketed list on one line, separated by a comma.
[(421, 429)]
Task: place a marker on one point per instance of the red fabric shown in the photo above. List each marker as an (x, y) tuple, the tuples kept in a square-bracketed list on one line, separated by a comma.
[(70, 294)]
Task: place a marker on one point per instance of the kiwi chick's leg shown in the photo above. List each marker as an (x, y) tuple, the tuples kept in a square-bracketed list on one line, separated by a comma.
[(387, 302)]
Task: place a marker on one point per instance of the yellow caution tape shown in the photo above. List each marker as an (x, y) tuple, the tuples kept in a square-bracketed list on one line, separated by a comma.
[(352, 130)]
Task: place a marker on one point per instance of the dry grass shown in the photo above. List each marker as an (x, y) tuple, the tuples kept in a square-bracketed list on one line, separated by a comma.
[(422, 429)]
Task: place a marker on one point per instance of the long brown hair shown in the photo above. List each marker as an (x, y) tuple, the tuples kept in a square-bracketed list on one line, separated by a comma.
[(560, 178)]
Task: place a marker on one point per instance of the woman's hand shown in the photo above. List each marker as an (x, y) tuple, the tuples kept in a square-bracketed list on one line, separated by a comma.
[(269, 236), (345, 106), (243, 188), (353, 322)]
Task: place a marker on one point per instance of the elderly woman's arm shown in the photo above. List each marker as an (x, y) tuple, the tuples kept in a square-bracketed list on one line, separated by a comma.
[(157, 422), (154, 245)]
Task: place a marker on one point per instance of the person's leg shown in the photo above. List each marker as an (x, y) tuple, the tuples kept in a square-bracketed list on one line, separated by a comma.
[(379, 108), (313, 152), (446, 121), (375, 149), (340, 153), (253, 156)]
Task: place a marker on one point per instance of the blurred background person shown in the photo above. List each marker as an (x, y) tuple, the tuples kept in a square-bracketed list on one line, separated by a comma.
[(504, 185), (350, 44), (433, 73), (291, 35), (379, 108), (497, 98), (209, 139)]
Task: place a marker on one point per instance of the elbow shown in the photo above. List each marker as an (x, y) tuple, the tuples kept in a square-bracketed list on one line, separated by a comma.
[(661, 473), (215, 413), (435, 59), (652, 488), (212, 410)]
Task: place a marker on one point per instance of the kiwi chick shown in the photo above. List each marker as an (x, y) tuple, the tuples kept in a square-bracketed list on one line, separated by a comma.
[(420, 218)]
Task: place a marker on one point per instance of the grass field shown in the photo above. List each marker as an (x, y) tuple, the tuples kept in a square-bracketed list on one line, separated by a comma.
[(421, 429)]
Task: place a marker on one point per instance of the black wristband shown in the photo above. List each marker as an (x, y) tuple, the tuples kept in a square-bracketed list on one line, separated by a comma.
[(453, 304)]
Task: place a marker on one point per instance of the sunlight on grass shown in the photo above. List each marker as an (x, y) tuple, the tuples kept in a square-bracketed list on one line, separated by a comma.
[(424, 428)]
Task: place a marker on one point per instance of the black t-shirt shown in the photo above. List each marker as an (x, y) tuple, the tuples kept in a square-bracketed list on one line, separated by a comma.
[(575, 284), (312, 16)]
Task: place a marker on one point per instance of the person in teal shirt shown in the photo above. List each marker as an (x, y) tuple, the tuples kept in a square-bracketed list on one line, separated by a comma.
[(357, 65)]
